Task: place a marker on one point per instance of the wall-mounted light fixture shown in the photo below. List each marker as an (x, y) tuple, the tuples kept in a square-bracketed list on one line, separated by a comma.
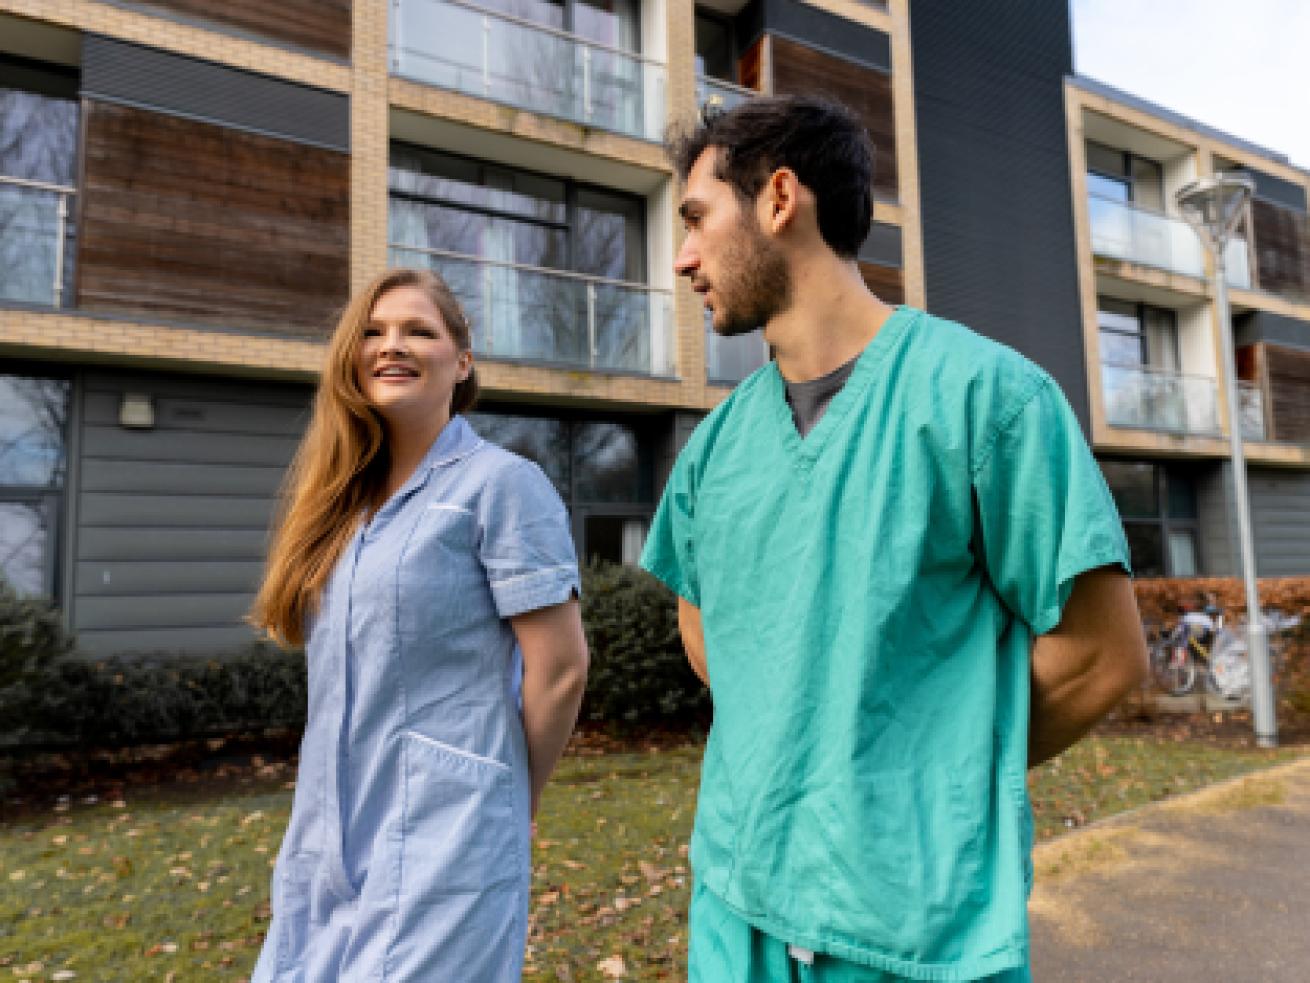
[(136, 411)]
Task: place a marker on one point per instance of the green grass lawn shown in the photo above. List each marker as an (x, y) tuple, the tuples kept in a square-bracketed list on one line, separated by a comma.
[(173, 884)]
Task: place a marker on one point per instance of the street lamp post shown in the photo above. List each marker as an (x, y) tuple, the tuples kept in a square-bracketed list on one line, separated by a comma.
[(1213, 206)]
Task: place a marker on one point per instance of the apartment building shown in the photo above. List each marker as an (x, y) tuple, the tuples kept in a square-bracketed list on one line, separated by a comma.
[(190, 190)]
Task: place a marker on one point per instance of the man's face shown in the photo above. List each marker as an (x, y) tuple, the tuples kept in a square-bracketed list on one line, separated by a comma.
[(740, 272)]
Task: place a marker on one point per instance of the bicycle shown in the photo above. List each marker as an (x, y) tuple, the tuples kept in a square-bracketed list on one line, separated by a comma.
[(1200, 641)]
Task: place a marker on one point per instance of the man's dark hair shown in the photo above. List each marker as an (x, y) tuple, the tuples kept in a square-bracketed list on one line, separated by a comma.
[(822, 141)]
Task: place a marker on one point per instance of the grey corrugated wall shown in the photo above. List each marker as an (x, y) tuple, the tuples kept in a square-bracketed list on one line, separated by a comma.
[(998, 237), (1280, 503), (171, 522)]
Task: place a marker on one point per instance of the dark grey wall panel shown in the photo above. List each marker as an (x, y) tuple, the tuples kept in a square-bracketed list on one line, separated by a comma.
[(1280, 505), (181, 545), (1280, 521), (182, 445), (184, 479), (173, 521), (164, 610), (1254, 326), (111, 578), (1280, 192), (190, 413), (194, 640), (817, 28), (107, 509), (116, 71), (997, 213)]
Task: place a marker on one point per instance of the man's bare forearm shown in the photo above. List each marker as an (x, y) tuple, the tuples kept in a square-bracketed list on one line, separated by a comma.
[(1083, 668)]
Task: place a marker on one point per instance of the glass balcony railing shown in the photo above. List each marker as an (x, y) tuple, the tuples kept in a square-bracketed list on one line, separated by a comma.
[(531, 314), (461, 46), (1237, 265), (1136, 235), (1156, 399), (729, 95), (34, 234), (1251, 408), (729, 360)]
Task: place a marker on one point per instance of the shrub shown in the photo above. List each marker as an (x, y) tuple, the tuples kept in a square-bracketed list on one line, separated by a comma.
[(639, 671), (31, 636), (158, 697)]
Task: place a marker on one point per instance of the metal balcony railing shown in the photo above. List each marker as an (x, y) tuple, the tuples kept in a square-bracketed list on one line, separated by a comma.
[(729, 360), (459, 45), (729, 95), (34, 228), (1136, 235), (527, 313), (1251, 407), (1156, 399)]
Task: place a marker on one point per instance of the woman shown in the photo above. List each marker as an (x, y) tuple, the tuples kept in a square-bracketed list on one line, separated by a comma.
[(433, 579)]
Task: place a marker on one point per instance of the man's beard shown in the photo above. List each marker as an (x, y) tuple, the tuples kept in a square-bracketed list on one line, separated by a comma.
[(755, 284)]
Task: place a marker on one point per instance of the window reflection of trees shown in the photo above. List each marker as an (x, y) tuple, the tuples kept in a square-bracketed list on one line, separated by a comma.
[(38, 142), (480, 53), (544, 441), (33, 415), (606, 459), (23, 540), (510, 217)]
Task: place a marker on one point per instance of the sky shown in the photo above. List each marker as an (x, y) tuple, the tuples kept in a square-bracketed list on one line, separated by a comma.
[(1166, 51)]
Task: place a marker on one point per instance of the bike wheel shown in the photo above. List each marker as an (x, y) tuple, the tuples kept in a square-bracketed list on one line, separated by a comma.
[(1172, 664)]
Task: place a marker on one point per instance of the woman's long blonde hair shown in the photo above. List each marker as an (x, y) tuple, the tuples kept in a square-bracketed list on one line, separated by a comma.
[(341, 464)]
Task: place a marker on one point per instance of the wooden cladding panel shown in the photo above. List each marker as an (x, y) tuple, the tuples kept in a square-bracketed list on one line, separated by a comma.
[(183, 220), (318, 25), (801, 70), (885, 281), (1282, 249), (1288, 374)]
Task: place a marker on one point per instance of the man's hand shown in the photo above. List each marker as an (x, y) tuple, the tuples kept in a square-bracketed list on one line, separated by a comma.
[(693, 638), (1086, 664)]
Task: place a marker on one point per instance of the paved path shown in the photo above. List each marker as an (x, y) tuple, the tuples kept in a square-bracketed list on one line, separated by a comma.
[(1212, 886)]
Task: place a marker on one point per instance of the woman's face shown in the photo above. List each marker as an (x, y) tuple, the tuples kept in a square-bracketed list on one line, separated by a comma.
[(408, 364)]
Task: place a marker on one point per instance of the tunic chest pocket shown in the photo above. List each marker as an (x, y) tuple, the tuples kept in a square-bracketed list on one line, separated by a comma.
[(459, 832)]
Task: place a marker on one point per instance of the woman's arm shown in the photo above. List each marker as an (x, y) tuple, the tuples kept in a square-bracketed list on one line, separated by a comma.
[(554, 677)]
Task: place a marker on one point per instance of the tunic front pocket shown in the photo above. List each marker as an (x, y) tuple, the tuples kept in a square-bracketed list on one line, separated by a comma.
[(458, 834)]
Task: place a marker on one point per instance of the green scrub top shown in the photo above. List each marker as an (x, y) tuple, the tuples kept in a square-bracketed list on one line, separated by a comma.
[(869, 596)]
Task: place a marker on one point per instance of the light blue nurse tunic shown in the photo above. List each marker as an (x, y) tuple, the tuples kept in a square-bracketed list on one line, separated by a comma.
[(407, 855)]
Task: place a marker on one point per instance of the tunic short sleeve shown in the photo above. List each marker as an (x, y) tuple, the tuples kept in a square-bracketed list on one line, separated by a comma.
[(1045, 512), (525, 546), (670, 552)]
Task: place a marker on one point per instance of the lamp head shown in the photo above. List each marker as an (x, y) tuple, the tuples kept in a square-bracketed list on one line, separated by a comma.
[(1213, 205)]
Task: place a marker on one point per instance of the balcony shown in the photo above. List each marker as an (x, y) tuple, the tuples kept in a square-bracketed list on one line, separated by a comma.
[(729, 360), (34, 233), (467, 48), (730, 96), (525, 313), (1251, 408), (1135, 235), (1155, 399)]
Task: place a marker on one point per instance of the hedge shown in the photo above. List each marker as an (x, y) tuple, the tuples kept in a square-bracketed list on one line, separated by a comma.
[(639, 675)]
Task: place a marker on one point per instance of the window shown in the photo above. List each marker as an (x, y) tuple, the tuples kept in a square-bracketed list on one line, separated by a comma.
[(715, 51), (33, 416), (1138, 335), (602, 469), (1124, 176), (38, 158), (1159, 512), (547, 270)]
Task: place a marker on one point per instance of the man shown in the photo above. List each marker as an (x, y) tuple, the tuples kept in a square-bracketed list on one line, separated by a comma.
[(900, 573)]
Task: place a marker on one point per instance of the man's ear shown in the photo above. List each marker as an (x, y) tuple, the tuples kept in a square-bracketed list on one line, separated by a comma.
[(780, 199)]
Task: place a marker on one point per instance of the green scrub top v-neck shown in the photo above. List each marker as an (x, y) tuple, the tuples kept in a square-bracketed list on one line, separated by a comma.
[(869, 595)]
